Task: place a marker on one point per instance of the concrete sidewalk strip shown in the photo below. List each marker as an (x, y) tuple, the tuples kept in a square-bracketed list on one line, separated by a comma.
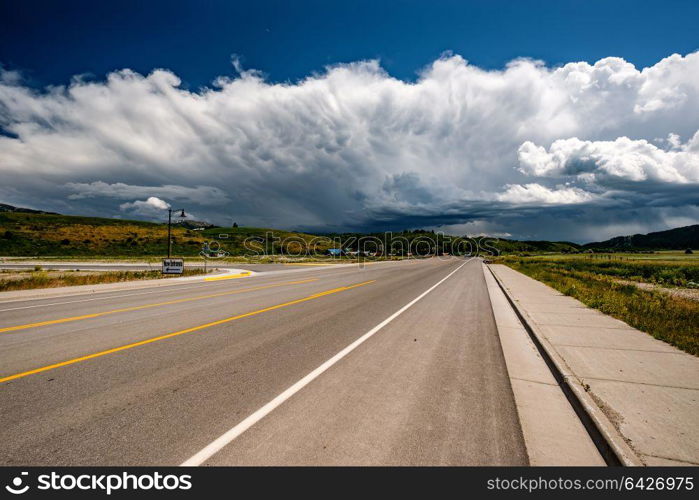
[(553, 434), (642, 393)]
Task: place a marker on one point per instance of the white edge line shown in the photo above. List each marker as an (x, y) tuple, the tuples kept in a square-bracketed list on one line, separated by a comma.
[(218, 444)]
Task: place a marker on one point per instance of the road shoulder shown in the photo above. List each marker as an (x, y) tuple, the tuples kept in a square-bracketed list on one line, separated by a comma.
[(641, 393), (553, 434)]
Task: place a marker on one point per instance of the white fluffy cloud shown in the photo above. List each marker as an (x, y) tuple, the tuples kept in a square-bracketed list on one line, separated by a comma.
[(355, 148), (152, 207), (538, 194), (620, 159)]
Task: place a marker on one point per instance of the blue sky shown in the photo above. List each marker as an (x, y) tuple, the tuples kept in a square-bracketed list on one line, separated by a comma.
[(288, 40), (531, 120)]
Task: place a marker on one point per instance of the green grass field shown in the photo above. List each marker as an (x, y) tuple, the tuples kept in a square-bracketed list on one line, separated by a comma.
[(663, 268), (594, 280)]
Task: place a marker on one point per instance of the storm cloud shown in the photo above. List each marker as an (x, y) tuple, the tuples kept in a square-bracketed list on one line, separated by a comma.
[(580, 152)]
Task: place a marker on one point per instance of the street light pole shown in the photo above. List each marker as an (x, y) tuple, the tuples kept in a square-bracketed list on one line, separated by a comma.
[(169, 230), (169, 238)]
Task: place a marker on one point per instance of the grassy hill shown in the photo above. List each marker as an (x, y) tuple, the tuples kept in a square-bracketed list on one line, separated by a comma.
[(29, 234), (453, 244), (264, 240), (673, 239), (32, 234), (9, 208), (514, 246)]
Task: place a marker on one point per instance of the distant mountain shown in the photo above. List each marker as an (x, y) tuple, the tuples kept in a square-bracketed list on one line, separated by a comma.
[(9, 208), (672, 239), (195, 224), (186, 223), (516, 246)]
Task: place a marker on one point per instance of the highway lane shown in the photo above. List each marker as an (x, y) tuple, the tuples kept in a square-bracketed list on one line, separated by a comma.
[(129, 317), (442, 397)]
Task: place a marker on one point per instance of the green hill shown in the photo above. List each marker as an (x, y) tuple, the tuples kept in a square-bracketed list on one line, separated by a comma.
[(29, 234), (36, 234), (673, 239), (514, 246), (9, 208), (456, 244)]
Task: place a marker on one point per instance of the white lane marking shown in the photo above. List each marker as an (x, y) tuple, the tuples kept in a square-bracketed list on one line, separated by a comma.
[(218, 444)]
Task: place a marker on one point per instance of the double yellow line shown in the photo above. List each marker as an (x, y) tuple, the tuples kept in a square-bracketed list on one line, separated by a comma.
[(181, 332)]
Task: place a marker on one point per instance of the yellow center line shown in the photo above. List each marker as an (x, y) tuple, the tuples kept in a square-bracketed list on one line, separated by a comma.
[(147, 306), (181, 332), (228, 276), (327, 264), (314, 264)]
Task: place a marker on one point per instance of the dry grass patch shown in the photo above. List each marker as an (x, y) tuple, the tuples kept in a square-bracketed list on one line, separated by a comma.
[(54, 279), (667, 317)]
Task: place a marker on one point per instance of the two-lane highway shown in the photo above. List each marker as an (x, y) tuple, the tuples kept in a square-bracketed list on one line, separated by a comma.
[(316, 366)]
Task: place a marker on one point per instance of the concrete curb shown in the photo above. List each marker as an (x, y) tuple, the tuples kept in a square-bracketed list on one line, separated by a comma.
[(609, 441), (553, 433)]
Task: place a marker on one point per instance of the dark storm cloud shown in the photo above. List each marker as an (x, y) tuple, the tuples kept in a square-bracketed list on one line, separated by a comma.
[(572, 152)]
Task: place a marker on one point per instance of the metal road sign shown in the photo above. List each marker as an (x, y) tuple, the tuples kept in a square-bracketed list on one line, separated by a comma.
[(173, 266)]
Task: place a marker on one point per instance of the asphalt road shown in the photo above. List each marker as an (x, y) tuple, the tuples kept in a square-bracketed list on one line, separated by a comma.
[(218, 372)]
